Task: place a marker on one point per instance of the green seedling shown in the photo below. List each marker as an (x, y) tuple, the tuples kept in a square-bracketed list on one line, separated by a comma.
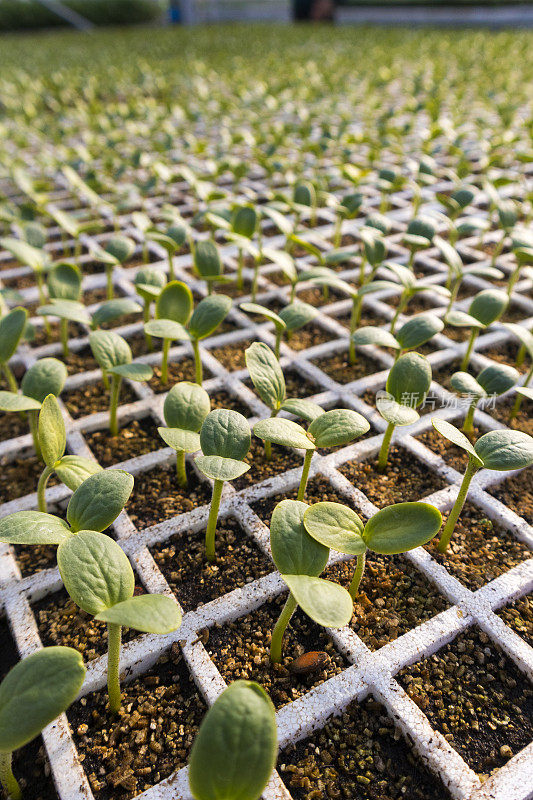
[(417, 331), (73, 227), (99, 578), (485, 308), (334, 428), (501, 450), (300, 559), (64, 284), (388, 182), (522, 247), (243, 227), (171, 241), (176, 304), (46, 376), (33, 694), (12, 327), (208, 265), (143, 223), (349, 208), (267, 377), (71, 470), (407, 385), (185, 408), (116, 252), (291, 318), (491, 382), (113, 354), (508, 217), (411, 286), (457, 271), (395, 529), (455, 203), (418, 236), (149, 283), (34, 257), (526, 347), (225, 440), (236, 748)]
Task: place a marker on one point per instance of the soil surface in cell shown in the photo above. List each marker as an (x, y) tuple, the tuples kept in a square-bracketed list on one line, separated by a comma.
[(231, 356), (480, 550), (317, 490), (12, 425), (454, 456), (296, 384), (223, 399), (30, 763), (283, 459), (315, 296), (523, 420), (240, 649), (80, 360), (516, 492), (62, 622), (393, 598), (157, 496), (368, 318), (149, 739), (505, 353), (519, 616), (338, 368), (42, 338), (405, 478), (476, 697), (20, 476), (309, 336), (359, 755), (196, 581), (94, 397), (182, 370), (136, 438)]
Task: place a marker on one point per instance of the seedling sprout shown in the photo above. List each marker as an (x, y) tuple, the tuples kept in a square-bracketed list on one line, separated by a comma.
[(491, 382), (185, 409)]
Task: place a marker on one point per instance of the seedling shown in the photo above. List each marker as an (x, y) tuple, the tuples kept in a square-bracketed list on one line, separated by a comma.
[(34, 257), (407, 386), (526, 346), (12, 327), (208, 264), (417, 331), (491, 382), (419, 236), (235, 750), (291, 318), (113, 354), (485, 308), (267, 377), (300, 559), (388, 182), (149, 283), (116, 251), (395, 529), (225, 440), (73, 227), (171, 240), (45, 377), (411, 286), (334, 428), (457, 271), (33, 693), (455, 203), (177, 303), (71, 470), (508, 217), (185, 409), (501, 450), (522, 247), (98, 576), (242, 231)]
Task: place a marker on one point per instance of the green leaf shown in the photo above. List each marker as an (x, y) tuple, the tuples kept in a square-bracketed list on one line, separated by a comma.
[(255, 308), (305, 409), (133, 372), (166, 242), (46, 376), (266, 374), (464, 383), (498, 378), (244, 221), (71, 310), (109, 349), (120, 248), (99, 500), (149, 282), (454, 435), (449, 253), (180, 439), (338, 427), (488, 306), (110, 310), (33, 527), (9, 401), (167, 329), (335, 526), (297, 314), (284, 432), (402, 527), (207, 259), (394, 412), (64, 282), (327, 603), (95, 570), (235, 750), (418, 330), (409, 379), (186, 406), (11, 329), (294, 551), (460, 319), (524, 336), (175, 302), (373, 335), (149, 613), (225, 433), (505, 450), (52, 434), (283, 260), (30, 256), (219, 468), (208, 315), (74, 470), (36, 691)]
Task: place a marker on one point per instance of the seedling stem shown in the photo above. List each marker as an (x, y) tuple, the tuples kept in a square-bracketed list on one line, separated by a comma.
[(448, 529), (10, 378), (197, 362), (116, 381), (41, 488), (358, 574), (519, 397), (33, 420), (281, 626), (7, 779), (180, 468), (164, 361), (114, 635), (305, 474), (385, 446), (212, 521), (466, 359)]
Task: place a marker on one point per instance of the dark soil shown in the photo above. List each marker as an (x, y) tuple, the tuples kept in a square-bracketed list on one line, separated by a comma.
[(295, 383), (369, 317), (405, 478), (80, 360), (223, 399), (480, 550), (194, 580), (35, 558), (505, 353), (476, 697), (240, 649), (516, 492), (283, 459), (20, 477), (138, 437), (338, 367), (11, 426), (149, 739), (231, 356), (359, 755), (94, 397), (454, 456), (177, 371), (309, 336), (519, 616), (41, 336), (523, 420), (318, 489), (157, 496)]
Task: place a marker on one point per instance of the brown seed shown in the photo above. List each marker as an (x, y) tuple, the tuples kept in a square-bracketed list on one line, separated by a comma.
[(308, 662)]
